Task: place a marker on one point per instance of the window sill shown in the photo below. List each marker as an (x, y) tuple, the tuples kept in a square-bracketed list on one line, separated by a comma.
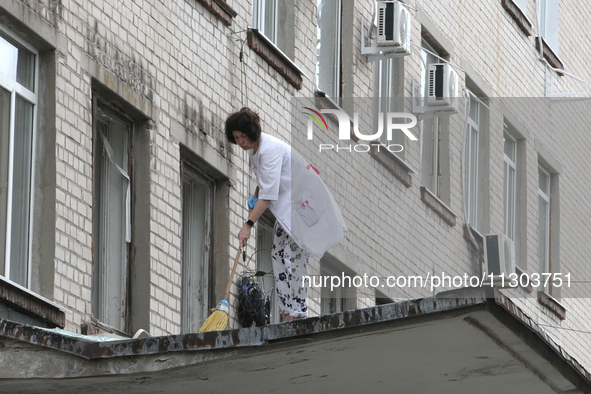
[(263, 47), (220, 9), (552, 304), (550, 55), (24, 302), (394, 164), (433, 202), (477, 237), (519, 16)]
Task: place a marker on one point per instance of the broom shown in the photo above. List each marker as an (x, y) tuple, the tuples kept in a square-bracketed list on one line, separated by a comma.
[(219, 318)]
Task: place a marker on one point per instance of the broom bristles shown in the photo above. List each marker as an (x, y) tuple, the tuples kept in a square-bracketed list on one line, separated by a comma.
[(216, 322)]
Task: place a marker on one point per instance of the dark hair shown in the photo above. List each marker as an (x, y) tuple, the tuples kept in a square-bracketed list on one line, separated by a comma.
[(246, 121)]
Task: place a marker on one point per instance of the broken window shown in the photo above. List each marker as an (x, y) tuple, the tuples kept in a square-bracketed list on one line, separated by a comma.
[(197, 208), (112, 217)]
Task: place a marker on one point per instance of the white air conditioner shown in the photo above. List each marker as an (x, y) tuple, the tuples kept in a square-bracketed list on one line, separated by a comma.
[(499, 254), (442, 86), (394, 26)]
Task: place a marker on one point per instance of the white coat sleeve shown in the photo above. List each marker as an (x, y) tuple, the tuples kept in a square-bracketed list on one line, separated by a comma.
[(269, 175)]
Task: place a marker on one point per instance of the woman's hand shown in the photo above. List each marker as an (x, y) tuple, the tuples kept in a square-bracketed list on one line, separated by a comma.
[(244, 235)]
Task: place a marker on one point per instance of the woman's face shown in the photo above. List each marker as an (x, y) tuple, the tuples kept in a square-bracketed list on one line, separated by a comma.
[(243, 141)]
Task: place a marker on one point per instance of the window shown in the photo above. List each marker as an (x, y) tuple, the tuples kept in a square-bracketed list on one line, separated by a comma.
[(390, 85), (197, 208), (544, 225), (18, 111), (328, 47), (548, 16), (113, 150), (265, 18), (474, 123), (265, 262), (274, 19), (430, 137), (510, 183), (336, 299)]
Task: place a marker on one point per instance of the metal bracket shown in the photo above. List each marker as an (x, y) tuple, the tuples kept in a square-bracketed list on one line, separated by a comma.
[(374, 53), (423, 111)]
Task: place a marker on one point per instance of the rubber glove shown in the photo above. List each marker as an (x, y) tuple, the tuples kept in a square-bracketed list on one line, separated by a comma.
[(252, 202)]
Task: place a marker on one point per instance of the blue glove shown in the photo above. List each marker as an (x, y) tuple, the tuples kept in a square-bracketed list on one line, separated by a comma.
[(252, 202)]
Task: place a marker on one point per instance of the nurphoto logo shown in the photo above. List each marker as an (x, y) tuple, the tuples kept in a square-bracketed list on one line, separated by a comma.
[(395, 121)]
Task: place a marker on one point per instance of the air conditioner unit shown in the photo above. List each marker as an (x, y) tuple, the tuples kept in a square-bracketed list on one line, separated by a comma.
[(394, 26), (443, 86), (499, 254)]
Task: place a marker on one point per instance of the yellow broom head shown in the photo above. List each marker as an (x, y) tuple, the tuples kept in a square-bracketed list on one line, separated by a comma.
[(218, 319)]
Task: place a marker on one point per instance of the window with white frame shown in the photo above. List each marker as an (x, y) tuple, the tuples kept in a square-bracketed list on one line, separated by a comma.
[(196, 227), (328, 47), (510, 183), (265, 263), (265, 18), (474, 124), (548, 16), (430, 136), (275, 20), (544, 227), (112, 187), (18, 111), (338, 298)]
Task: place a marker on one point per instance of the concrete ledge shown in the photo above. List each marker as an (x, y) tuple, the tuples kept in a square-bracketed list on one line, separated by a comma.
[(552, 304), (43, 312), (433, 202), (395, 165), (518, 15), (220, 9), (276, 59), (550, 55)]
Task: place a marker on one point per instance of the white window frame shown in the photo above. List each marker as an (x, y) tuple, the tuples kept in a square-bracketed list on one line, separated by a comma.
[(429, 159), (548, 18), (335, 79), (196, 246), (473, 159), (12, 86), (544, 255), (510, 184)]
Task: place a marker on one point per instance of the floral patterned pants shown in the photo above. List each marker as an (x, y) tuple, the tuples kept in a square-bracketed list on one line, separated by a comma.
[(290, 263)]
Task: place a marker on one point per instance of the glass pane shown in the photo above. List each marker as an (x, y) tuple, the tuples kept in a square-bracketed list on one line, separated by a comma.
[(544, 181), (474, 111), (21, 192), (510, 205), (4, 157), (473, 179), (328, 46), (17, 62), (195, 239), (111, 271), (509, 147), (268, 28)]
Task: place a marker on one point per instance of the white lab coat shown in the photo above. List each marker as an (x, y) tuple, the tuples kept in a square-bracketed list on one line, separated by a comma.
[(300, 200)]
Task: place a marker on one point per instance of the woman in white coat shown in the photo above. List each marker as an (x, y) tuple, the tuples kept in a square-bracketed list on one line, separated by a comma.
[(308, 221)]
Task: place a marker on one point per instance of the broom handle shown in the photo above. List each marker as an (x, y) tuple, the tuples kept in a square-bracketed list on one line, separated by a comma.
[(232, 274)]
